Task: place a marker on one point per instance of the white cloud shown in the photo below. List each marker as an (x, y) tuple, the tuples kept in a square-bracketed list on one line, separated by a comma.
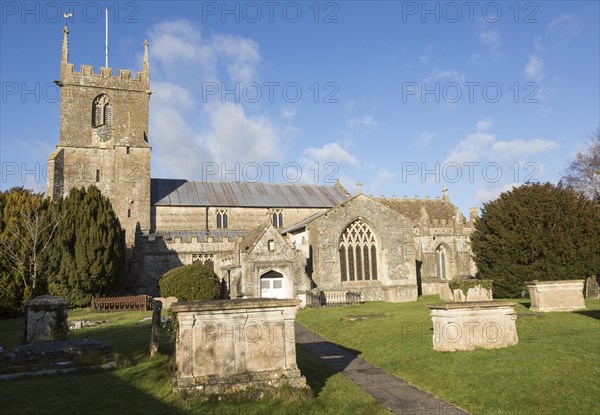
[(236, 136), (288, 112), (471, 148), (440, 75), (426, 54), (178, 47), (562, 29), (511, 150), (425, 138), (366, 121), (187, 127), (383, 176), (489, 193), (483, 145), (484, 125), (533, 69), (489, 37), (332, 152)]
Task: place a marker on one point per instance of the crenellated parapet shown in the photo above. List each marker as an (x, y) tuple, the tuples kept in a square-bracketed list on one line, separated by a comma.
[(105, 78)]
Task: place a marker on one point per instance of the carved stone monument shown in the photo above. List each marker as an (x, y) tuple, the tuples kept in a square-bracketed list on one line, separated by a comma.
[(46, 319), (471, 325), (556, 295), (229, 345)]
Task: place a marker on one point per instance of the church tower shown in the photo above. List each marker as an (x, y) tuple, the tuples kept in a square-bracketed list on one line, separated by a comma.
[(104, 138)]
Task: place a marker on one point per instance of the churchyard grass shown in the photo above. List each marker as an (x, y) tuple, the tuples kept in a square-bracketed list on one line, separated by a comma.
[(142, 385), (555, 368)]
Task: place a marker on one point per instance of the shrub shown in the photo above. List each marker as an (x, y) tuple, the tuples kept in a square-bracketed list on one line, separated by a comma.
[(194, 282)]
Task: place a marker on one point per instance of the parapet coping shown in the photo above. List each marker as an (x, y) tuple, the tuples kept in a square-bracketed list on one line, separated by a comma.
[(559, 282), (471, 305), (237, 304)]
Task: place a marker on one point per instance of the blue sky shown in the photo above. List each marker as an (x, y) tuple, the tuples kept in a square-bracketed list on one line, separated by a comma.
[(405, 97)]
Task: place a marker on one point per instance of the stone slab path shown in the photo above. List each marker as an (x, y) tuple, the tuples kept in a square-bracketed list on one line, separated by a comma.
[(389, 390)]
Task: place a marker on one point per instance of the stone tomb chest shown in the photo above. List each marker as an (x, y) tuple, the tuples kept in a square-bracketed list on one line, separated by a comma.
[(466, 326), (556, 295), (229, 345), (46, 319)]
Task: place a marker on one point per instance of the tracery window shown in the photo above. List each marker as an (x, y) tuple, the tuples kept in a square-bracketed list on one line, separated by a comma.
[(102, 111), (358, 253)]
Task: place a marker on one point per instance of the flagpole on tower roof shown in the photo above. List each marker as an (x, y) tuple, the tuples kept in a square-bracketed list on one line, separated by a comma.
[(106, 39)]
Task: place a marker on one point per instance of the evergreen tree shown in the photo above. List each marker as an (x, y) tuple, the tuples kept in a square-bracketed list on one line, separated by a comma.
[(536, 232), (89, 247), (26, 229)]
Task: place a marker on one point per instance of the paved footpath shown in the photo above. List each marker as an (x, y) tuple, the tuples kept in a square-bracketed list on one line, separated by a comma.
[(389, 390)]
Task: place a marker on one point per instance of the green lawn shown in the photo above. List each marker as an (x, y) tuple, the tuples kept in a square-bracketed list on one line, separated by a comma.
[(555, 368), (142, 385)]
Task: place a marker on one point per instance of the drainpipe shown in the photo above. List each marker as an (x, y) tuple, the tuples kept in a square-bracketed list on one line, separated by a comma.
[(207, 230)]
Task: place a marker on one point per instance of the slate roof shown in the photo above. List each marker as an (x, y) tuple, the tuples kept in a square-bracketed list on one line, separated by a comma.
[(173, 192)]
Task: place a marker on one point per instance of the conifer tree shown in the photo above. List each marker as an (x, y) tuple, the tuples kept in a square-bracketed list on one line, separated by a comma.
[(536, 232), (89, 248)]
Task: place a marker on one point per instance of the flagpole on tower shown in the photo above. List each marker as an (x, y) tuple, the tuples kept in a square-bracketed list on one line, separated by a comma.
[(106, 42)]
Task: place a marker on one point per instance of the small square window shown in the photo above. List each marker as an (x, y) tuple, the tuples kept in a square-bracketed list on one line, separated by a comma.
[(277, 284)]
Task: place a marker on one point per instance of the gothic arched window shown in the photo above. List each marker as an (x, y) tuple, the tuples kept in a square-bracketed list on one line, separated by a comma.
[(440, 262), (222, 219), (358, 253), (101, 111), (278, 218)]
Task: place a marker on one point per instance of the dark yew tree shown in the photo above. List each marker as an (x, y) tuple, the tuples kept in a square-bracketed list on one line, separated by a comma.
[(89, 248), (536, 232)]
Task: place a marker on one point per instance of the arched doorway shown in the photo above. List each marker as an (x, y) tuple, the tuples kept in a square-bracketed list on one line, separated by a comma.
[(271, 285)]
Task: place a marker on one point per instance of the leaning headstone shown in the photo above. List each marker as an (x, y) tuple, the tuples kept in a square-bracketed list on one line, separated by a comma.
[(46, 319), (564, 295), (229, 345), (593, 287), (472, 325), (155, 327)]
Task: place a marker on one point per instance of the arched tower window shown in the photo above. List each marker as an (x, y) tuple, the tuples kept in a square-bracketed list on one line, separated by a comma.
[(440, 262), (358, 253), (102, 111)]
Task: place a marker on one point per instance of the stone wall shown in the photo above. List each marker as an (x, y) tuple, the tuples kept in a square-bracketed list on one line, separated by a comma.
[(395, 256), (193, 218)]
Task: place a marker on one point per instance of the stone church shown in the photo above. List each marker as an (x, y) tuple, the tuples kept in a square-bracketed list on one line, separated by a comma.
[(262, 239)]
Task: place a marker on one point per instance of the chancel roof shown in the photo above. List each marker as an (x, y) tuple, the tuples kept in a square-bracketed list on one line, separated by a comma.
[(173, 192)]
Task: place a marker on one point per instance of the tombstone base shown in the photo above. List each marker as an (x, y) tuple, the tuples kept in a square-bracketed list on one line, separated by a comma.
[(240, 382)]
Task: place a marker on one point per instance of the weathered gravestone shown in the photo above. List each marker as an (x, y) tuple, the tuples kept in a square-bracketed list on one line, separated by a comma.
[(46, 319), (230, 345), (471, 325), (592, 290), (564, 295)]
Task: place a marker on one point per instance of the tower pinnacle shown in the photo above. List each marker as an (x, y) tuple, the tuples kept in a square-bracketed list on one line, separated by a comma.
[(146, 61), (65, 45)]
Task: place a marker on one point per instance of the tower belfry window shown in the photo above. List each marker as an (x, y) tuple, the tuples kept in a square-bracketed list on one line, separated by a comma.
[(102, 111)]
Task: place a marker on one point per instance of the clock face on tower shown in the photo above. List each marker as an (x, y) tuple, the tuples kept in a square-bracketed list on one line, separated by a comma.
[(103, 133)]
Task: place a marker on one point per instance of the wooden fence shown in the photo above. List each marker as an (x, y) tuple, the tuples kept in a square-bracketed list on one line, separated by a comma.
[(128, 303)]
